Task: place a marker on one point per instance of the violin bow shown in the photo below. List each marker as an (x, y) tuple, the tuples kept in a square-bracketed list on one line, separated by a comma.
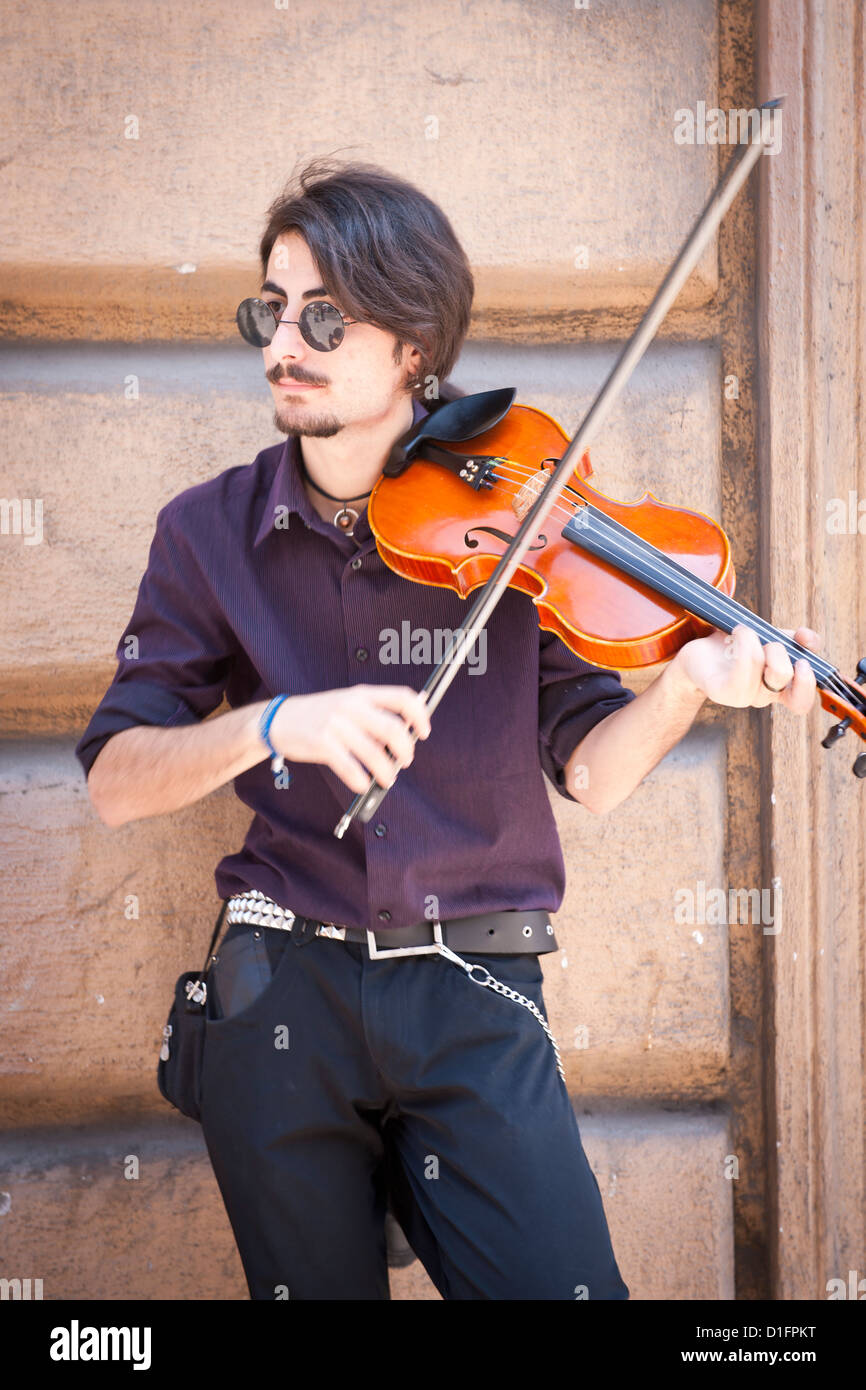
[(740, 166)]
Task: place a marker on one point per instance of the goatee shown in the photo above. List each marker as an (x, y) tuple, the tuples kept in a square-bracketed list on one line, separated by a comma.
[(320, 427)]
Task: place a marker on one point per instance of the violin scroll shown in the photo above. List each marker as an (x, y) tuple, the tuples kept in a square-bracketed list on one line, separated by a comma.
[(852, 715)]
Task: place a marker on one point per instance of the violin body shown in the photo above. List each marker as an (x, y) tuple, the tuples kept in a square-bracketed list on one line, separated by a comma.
[(432, 528)]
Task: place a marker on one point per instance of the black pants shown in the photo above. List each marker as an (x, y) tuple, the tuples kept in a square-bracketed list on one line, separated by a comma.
[(331, 1080)]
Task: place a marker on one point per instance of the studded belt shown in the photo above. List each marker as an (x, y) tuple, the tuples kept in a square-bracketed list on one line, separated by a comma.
[(494, 933)]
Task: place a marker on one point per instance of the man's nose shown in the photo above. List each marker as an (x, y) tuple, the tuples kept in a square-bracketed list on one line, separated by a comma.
[(288, 339)]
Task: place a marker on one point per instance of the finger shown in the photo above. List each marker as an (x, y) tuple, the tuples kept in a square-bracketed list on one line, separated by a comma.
[(349, 770), (412, 704), (747, 651), (416, 713), (389, 730), (373, 755), (806, 636), (799, 697), (346, 734), (777, 670), (745, 644), (420, 715)]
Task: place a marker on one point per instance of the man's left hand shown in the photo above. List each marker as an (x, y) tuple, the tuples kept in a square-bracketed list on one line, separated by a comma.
[(727, 669)]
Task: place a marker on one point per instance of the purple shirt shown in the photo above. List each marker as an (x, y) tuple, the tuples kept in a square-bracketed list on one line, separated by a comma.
[(248, 593)]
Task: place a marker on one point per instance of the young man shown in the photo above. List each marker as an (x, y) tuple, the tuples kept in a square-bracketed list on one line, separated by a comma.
[(335, 1078)]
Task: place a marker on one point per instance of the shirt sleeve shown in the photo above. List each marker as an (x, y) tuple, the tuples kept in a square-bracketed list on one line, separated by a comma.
[(175, 653), (573, 697)]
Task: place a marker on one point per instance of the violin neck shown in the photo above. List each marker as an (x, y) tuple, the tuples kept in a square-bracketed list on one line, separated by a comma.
[(609, 540)]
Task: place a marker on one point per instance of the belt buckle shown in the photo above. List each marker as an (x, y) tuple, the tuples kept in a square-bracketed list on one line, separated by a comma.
[(437, 944)]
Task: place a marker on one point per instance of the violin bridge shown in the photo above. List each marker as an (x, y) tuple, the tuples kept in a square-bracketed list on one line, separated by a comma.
[(527, 493)]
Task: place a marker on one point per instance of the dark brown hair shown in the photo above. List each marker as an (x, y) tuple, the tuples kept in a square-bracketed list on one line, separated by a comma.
[(386, 253)]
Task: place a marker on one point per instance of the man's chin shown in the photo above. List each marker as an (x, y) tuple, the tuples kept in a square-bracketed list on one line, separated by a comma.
[(313, 426)]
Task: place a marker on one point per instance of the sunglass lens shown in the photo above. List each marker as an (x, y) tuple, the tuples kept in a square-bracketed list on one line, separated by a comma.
[(256, 322), (322, 326)]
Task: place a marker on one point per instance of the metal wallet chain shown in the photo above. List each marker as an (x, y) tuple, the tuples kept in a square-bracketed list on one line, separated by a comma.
[(509, 993)]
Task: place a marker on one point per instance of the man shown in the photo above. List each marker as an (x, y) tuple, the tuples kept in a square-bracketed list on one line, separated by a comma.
[(336, 1078)]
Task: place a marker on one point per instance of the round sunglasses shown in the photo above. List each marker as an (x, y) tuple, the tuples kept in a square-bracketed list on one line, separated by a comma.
[(321, 324)]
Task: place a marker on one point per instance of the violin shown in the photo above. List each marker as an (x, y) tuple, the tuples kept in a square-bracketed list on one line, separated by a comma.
[(623, 584)]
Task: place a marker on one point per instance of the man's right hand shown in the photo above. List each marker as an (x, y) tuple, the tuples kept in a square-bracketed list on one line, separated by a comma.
[(350, 731)]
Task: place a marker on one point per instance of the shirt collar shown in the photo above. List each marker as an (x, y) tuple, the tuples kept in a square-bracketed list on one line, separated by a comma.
[(287, 493)]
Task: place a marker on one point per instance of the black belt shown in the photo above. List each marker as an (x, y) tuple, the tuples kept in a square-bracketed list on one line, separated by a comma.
[(490, 933)]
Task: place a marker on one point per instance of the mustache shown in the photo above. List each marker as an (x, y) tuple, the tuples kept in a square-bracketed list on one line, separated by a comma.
[(277, 374)]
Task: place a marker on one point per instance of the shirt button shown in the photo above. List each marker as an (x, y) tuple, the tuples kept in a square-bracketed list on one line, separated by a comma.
[(380, 830), (384, 915), (361, 653), (356, 563)]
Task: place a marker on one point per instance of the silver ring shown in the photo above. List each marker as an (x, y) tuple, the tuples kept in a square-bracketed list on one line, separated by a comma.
[(776, 690)]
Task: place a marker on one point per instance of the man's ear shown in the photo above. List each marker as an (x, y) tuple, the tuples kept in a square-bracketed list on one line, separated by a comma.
[(412, 367)]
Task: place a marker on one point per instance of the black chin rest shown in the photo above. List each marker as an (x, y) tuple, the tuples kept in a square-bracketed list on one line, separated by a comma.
[(462, 418)]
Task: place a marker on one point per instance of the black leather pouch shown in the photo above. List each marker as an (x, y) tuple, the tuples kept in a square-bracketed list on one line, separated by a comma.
[(181, 1055)]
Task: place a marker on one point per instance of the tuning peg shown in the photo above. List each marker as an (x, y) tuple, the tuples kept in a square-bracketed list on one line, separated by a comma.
[(833, 735)]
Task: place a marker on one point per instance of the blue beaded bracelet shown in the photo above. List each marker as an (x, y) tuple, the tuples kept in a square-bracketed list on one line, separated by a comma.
[(278, 762)]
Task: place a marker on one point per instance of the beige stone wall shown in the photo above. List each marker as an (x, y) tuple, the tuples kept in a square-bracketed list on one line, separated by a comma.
[(546, 134)]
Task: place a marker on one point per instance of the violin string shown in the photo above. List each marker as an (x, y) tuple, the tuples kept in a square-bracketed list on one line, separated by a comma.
[(661, 564)]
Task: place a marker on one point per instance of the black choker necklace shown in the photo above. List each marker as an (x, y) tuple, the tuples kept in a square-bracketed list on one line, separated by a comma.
[(347, 516)]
